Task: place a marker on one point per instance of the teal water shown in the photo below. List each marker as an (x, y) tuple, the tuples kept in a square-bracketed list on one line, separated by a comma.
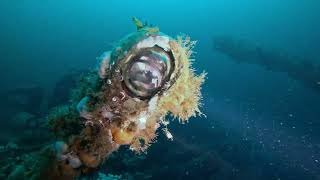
[(261, 123)]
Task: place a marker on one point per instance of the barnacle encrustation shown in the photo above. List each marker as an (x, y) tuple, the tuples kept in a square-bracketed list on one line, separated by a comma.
[(147, 76)]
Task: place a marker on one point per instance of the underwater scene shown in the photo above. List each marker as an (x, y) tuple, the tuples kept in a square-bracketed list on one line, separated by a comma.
[(157, 90)]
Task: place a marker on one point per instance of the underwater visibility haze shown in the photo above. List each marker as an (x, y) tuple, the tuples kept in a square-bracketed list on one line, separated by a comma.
[(172, 89)]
